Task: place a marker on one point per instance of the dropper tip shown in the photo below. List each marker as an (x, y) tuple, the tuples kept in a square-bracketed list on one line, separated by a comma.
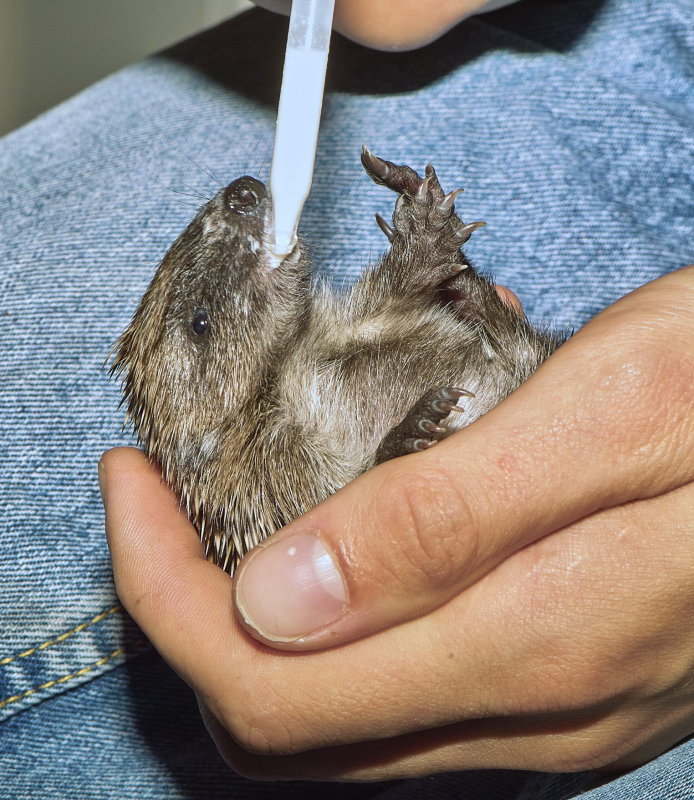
[(280, 247)]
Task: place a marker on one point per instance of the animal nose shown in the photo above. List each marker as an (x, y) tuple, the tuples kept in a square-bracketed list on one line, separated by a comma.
[(244, 195)]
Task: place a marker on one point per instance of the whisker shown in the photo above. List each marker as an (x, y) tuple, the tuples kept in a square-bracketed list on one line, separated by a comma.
[(196, 192), (185, 194), (206, 170), (187, 203)]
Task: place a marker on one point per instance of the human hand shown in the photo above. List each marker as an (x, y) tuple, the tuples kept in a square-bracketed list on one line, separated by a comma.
[(396, 24), (519, 596)]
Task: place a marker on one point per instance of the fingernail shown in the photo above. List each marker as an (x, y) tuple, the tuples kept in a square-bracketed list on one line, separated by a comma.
[(102, 481), (290, 588)]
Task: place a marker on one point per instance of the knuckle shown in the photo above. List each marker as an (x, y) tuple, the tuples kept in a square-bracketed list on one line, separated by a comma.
[(573, 672), (589, 683), (590, 748), (576, 682), (651, 355), (265, 722), (433, 530), (643, 393), (260, 733), (253, 768), (266, 736), (279, 768), (630, 370)]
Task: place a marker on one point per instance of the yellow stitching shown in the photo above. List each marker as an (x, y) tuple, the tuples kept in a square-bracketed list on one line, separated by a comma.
[(72, 675), (62, 637)]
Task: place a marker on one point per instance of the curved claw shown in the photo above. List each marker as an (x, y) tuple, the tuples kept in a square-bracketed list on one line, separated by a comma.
[(464, 232), (461, 393), (427, 426), (385, 227), (373, 164), (423, 189), (448, 201), (445, 408), (417, 445), (454, 268)]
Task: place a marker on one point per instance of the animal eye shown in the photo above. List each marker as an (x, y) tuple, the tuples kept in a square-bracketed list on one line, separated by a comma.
[(200, 322)]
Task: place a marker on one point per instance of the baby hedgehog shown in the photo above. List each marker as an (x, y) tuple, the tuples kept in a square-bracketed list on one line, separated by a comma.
[(260, 392)]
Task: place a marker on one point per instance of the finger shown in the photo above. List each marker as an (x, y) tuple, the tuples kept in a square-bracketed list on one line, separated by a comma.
[(159, 567), (540, 744), (395, 24), (509, 297), (606, 420), (524, 642), (572, 663)]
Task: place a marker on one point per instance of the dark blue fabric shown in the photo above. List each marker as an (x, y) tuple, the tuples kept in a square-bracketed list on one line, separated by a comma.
[(570, 126)]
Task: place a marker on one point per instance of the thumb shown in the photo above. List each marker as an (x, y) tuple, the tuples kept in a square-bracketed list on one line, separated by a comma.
[(587, 431)]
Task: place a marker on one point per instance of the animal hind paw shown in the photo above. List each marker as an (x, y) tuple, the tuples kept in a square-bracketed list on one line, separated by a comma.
[(421, 428)]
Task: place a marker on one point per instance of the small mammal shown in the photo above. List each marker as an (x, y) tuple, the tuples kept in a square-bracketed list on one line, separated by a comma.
[(260, 393)]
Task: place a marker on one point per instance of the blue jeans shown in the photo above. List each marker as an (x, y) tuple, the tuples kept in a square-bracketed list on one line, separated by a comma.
[(570, 124)]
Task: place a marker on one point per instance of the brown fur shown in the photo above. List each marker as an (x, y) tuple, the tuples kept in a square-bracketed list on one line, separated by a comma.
[(289, 392)]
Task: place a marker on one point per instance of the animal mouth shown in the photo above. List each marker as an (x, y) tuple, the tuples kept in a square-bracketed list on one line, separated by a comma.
[(246, 201)]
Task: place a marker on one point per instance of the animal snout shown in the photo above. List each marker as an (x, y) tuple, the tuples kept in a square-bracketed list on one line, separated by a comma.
[(244, 195)]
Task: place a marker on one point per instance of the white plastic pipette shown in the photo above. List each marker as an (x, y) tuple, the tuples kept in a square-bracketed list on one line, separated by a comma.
[(298, 117)]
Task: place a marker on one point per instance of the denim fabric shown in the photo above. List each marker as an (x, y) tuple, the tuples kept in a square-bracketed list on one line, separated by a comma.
[(570, 125)]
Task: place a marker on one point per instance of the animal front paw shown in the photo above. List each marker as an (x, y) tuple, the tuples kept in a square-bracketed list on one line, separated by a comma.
[(421, 428), (423, 211)]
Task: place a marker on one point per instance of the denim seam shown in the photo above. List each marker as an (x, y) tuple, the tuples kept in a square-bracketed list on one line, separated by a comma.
[(61, 638), (70, 676), (68, 660)]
